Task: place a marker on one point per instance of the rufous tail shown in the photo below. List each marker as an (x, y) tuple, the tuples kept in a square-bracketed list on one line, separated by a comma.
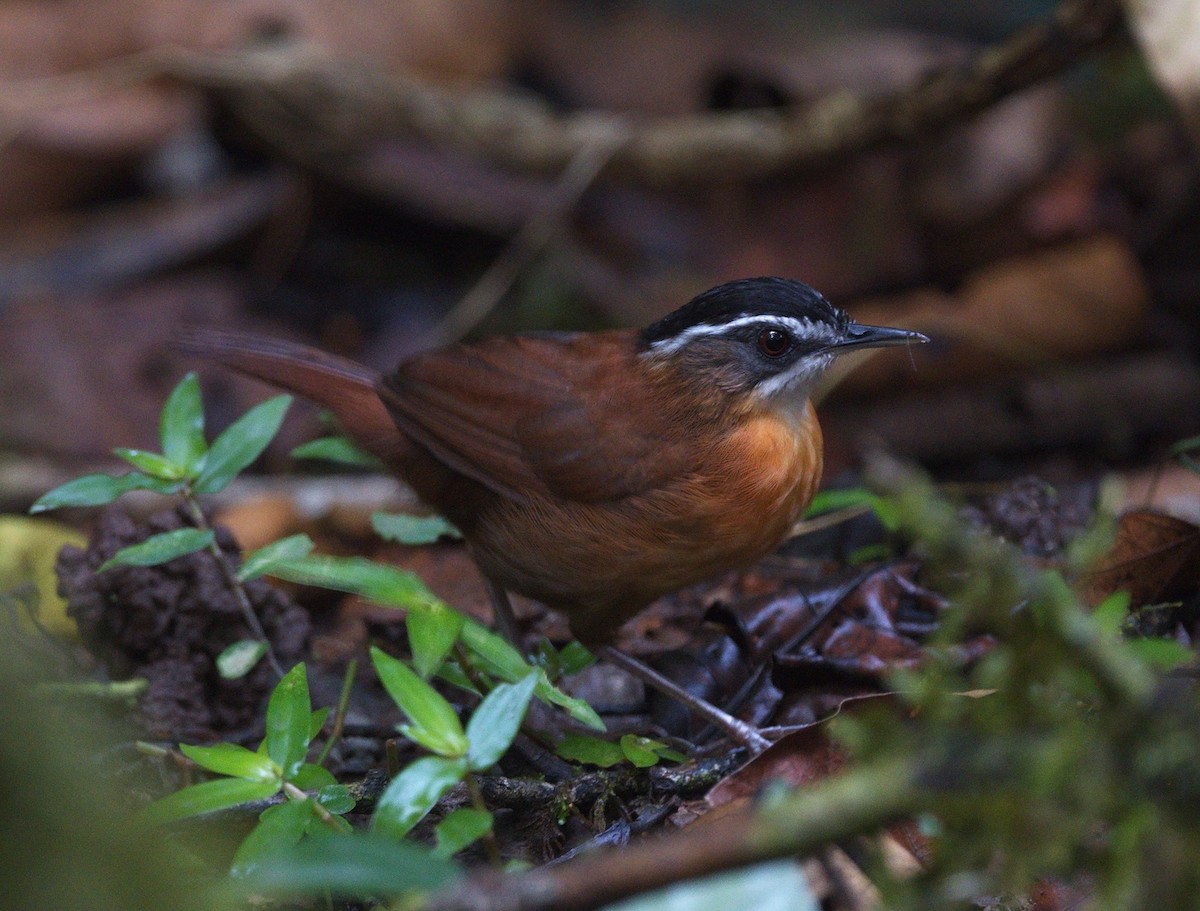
[(340, 385)]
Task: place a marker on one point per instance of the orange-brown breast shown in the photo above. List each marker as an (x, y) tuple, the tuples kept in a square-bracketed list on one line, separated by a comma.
[(600, 563)]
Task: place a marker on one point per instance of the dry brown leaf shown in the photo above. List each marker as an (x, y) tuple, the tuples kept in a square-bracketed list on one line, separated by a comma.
[(1155, 557), (797, 759)]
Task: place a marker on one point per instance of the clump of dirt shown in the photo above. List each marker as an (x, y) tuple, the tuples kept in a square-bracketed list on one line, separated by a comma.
[(1038, 517), (169, 623)]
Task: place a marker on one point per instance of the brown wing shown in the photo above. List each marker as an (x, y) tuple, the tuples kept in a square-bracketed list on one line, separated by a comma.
[(538, 415)]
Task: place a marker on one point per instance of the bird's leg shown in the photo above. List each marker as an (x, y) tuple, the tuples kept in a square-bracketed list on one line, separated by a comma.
[(739, 730), (743, 733), (502, 610)]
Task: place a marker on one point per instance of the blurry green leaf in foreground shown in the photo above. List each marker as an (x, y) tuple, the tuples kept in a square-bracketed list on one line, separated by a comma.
[(461, 828), (68, 843), (776, 886), (350, 865)]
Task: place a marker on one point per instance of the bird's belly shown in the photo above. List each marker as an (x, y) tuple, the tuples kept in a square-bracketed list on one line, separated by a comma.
[(601, 563)]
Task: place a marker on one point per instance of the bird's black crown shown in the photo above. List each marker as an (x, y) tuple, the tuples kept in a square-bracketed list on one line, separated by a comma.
[(746, 297)]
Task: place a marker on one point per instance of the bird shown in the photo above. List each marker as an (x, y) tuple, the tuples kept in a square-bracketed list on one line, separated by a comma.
[(597, 471)]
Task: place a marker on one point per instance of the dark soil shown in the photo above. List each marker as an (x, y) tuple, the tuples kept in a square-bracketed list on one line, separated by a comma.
[(169, 623)]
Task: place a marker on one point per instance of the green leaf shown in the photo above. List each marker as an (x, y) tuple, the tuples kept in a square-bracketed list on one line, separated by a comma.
[(497, 654), (359, 865), (461, 828), (206, 797), (336, 798), (1110, 613), (241, 443), (495, 722), (574, 657), (152, 463), (845, 498), (868, 553), (1162, 654), (312, 777), (412, 530), (181, 426), (288, 714), (434, 723), (239, 658), (452, 673), (592, 750), (376, 582), (503, 661), (637, 751), (232, 759), (316, 722), (262, 561), (160, 548), (431, 635), (414, 792), (99, 489), (336, 449), (279, 826)]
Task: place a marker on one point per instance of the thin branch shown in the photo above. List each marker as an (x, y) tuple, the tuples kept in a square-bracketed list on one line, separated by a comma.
[(343, 107), (313, 106), (836, 808)]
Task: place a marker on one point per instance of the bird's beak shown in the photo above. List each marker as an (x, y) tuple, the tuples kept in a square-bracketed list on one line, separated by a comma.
[(860, 336)]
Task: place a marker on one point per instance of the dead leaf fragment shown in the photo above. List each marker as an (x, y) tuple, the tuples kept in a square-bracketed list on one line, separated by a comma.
[(1155, 558)]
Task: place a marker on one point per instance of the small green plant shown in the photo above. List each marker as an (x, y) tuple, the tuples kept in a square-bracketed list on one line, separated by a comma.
[(278, 766), (189, 467), (458, 754), (309, 803), (434, 628), (641, 752)]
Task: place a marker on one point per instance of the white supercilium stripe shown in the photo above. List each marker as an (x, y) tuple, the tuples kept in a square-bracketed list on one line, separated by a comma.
[(799, 328)]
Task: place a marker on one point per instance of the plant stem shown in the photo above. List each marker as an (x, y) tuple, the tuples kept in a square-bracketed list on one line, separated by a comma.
[(489, 839), (339, 713), (472, 673), (235, 584), (333, 822)]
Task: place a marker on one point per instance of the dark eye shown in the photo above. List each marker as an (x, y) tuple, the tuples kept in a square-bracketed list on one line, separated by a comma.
[(774, 342)]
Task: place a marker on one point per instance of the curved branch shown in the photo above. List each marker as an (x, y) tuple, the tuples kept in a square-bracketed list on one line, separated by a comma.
[(341, 107)]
